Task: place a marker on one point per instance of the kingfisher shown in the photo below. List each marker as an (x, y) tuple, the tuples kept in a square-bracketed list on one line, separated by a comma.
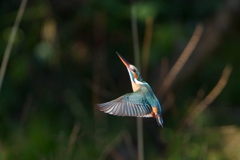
[(142, 102)]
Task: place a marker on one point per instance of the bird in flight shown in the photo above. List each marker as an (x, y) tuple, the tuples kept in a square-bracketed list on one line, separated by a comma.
[(142, 102)]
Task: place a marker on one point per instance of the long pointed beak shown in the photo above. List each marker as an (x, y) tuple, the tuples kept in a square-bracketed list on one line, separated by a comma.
[(125, 62)]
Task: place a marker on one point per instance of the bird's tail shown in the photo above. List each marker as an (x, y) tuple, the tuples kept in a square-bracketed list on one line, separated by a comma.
[(159, 120)]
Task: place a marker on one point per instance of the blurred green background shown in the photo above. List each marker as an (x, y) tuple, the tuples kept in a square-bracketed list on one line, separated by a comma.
[(63, 61)]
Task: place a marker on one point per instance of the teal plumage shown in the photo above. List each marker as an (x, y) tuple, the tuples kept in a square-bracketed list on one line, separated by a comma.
[(140, 103)]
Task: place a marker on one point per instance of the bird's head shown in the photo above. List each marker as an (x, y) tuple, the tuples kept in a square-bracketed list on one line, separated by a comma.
[(132, 70)]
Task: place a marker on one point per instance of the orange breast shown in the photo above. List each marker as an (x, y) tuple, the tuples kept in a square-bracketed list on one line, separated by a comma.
[(135, 87), (154, 111)]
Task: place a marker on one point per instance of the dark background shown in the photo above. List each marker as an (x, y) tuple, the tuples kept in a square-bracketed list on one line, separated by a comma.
[(63, 61)]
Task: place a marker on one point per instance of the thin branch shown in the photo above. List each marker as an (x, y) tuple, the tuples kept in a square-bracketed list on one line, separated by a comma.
[(210, 97), (110, 149), (73, 138), (135, 36), (167, 82), (11, 41), (110, 146), (137, 63), (146, 45)]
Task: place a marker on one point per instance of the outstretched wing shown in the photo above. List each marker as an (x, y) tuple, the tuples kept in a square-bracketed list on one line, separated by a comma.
[(132, 104)]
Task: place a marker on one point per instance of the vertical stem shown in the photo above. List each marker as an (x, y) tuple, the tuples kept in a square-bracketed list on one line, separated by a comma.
[(11, 40), (135, 37), (137, 63), (146, 45)]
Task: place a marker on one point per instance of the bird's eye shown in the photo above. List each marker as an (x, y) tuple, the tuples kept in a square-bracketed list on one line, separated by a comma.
[(134, 70)]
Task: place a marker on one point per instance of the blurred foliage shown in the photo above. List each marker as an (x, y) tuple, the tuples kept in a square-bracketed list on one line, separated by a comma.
[(63, 61)]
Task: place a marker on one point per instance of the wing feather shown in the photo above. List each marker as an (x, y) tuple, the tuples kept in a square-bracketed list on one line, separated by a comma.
[(117, 110), (132, 104)]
